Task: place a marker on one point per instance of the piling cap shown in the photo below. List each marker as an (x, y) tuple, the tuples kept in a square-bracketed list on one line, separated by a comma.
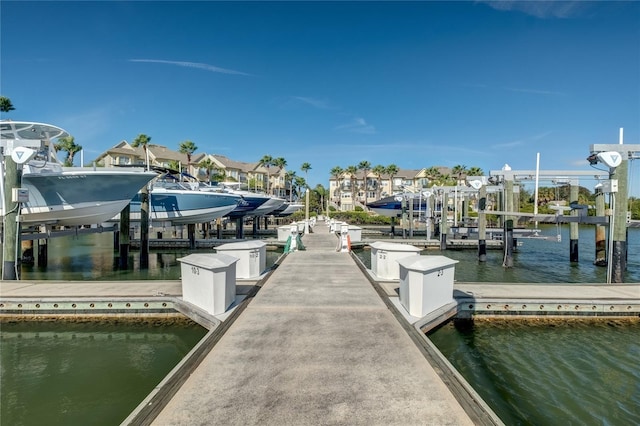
[(425, 263), (394, 247), (209, 260), (241, 245)]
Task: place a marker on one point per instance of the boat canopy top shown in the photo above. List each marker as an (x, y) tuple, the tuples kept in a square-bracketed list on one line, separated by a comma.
[(30, 130)]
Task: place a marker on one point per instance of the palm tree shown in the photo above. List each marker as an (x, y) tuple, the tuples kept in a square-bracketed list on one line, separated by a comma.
[(300, 183), (68, 145), (174, 165), (187, 147), (208, 165), (289, 177), (337, 173), (378, 170), (5, 104), (475, 171), (266, 161), (280, 163), (433, 174), (365, 166), (458, 171), (322, 194), (352, 172), (142, 140), (305, 167), (391, 170)]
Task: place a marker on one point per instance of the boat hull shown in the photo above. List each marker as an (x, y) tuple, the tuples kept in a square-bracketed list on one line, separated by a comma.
[(182, 207), (392, 206), (76, 197)]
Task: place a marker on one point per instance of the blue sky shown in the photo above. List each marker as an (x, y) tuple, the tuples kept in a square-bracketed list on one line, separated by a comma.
[(416, 84)]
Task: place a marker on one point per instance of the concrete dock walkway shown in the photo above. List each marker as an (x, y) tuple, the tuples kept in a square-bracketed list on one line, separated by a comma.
[(317, 345)]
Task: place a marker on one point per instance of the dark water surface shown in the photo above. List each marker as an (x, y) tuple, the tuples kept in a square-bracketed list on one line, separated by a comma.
[(91, 373), (550, 372), (91, 257), (576, 373), (538, 260)]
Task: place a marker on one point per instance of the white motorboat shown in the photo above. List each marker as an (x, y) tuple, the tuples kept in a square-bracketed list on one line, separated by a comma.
[(69, 196), (180, 203), (252, 204)]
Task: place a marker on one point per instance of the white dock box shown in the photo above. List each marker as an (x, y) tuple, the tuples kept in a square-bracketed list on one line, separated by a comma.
[(252, 257), (284, 232), (385, 256), (355, 233), (426, 283), (209, 281)]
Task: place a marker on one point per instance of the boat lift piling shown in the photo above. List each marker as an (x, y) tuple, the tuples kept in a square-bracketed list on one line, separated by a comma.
[(600, 233), (144, 227), (616, 157), (124, 237), (482, 224), (573, 226)]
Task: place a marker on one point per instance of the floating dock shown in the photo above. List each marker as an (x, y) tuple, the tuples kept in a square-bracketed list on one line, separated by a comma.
[(317, 340)]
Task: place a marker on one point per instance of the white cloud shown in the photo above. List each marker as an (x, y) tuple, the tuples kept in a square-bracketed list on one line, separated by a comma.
[(317, 103), (198, 65), (358, 125), (540, 8), (535, 91)]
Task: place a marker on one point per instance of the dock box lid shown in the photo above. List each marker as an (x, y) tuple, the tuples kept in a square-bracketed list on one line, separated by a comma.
[(380, 245), (426, 263), (209, 260), (241, 245)]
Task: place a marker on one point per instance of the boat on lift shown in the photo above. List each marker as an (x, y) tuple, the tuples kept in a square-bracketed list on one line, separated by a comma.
[(182, 203), (287, 208), (252, 204), (391, 206), (66, 196)]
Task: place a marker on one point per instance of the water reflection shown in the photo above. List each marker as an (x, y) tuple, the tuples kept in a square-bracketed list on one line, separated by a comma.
[(88, 373), (91, 257), (551, 372)]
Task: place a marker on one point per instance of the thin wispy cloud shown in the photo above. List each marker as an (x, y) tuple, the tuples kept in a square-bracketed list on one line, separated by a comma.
[(508, 145), (543, 9), (358, 125), (522, 142), (197, 65), (316, 103), (535, 91)]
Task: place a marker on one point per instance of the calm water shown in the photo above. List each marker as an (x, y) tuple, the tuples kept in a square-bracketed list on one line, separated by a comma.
[(528, 374), (539, 260), (550, 373), (61, 373), (91, 257)]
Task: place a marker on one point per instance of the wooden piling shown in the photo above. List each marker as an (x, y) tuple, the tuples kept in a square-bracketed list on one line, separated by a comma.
[(601, 235), (125, 240), (191, 233), (444, 225), (507, 243), (618, 255), (144, 227), (11, 232), (43, 252), (240, 228), (482, 224), (573, 226)]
